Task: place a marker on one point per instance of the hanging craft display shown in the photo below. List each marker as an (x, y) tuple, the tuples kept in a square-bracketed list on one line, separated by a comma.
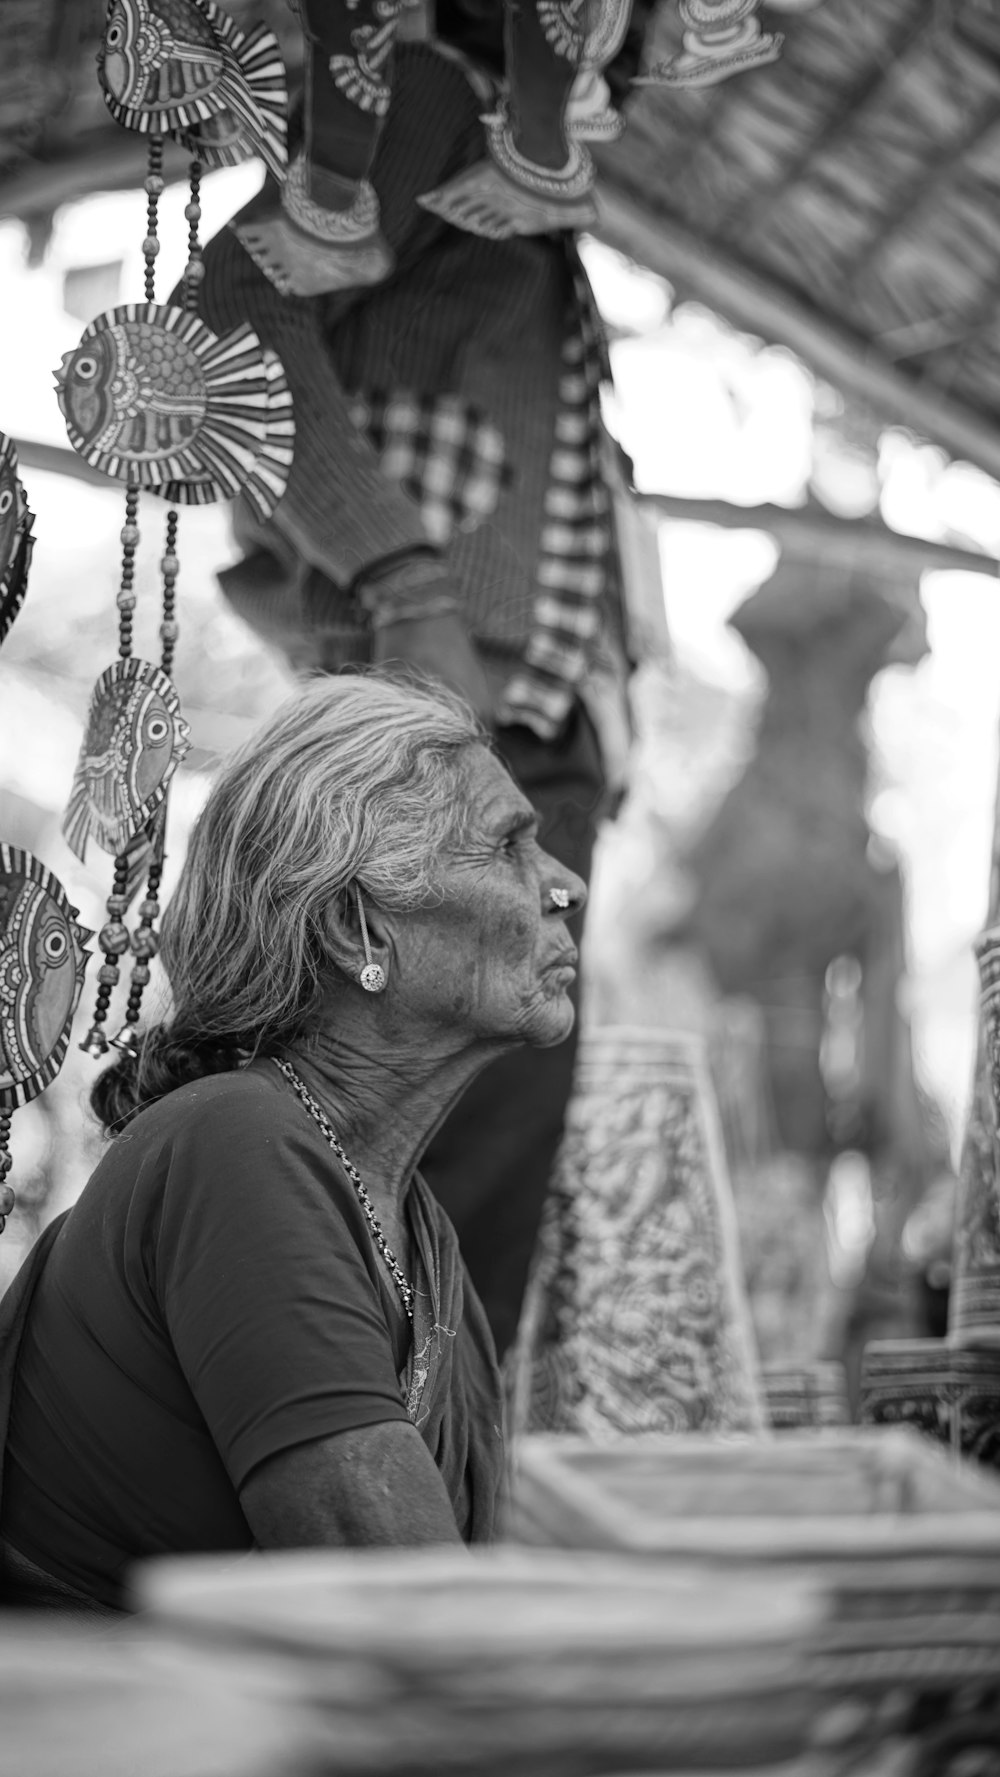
[(43, 957), (539, 177), (134, 740), (322, 232), (16, 539), (153, 398), (183, 68), (590, 115), (722, 37)]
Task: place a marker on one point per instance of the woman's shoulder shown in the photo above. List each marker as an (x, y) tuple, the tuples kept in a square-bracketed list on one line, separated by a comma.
[(241, 1098)]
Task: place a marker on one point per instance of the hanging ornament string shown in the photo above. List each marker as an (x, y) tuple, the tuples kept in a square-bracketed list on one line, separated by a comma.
[(126, 590), (144, 942), (7, 1198), (154, 189), (145, 854), (184, 414), (194, 271), (169, 568)]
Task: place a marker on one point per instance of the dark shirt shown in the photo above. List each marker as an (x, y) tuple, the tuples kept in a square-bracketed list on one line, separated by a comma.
[(213, 1298)]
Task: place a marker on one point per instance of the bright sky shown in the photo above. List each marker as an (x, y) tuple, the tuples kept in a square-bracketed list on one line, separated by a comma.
[(703, 412)]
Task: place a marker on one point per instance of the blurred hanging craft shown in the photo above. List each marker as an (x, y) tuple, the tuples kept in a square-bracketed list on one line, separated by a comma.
[(721, 37), (538, 177), (183, 68), (43, 957), (590, 115), (322, 231), (16, 540)]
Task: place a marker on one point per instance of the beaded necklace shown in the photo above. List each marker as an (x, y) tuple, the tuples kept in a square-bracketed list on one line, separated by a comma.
[(405, 1289)]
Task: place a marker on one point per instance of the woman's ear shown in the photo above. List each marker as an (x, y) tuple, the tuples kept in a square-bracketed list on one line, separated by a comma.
[(345, 938)]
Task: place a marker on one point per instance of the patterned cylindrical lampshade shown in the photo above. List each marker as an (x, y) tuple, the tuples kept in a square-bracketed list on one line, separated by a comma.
[(987, 949)]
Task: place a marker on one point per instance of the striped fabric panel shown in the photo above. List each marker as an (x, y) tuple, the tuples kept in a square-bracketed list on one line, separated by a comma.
[(576, 541)]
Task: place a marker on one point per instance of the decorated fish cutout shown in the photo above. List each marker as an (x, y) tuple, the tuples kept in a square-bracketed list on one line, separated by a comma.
[(134, 740), (184, 68), (16, 540), (153, 397), (43, 958)]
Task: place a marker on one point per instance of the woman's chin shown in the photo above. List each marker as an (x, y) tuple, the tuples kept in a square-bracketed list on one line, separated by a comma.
[(552, 1024)]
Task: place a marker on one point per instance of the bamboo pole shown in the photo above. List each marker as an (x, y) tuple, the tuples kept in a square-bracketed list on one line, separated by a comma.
[(810, 530), (760, 304)]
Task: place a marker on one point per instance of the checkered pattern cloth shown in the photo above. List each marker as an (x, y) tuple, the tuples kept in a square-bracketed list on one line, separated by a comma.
[(444, 453), (576, 551), (452, 461)]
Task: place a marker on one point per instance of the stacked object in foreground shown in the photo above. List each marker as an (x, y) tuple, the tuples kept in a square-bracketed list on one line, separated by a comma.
[(494, 1663), (902, 1543), (101, 1697)]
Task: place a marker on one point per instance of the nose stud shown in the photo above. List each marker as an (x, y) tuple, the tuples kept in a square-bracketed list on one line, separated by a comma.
[(559, 898)]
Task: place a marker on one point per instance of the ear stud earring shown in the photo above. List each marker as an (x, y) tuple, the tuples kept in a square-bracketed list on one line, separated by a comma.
[(372, 976)]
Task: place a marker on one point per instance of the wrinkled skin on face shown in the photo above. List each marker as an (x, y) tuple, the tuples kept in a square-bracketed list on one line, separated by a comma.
[(492, 958)]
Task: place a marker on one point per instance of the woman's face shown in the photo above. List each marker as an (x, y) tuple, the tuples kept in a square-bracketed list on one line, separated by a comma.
[(492, 956)]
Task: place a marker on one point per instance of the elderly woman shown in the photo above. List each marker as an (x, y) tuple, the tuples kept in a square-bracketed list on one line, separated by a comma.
[(252, 1328)]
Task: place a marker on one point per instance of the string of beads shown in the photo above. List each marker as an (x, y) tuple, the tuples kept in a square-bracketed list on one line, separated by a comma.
[(114, 941), (126, 591), (194, 271), (7, 1198), (153, 184)]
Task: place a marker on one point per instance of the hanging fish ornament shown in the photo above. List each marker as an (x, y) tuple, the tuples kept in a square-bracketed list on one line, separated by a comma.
[(134, 740), (184, 68), (16, 540), (43, 958), (152, 397)]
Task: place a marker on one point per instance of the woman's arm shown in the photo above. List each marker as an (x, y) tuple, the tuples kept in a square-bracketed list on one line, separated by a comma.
[(374, 1487)]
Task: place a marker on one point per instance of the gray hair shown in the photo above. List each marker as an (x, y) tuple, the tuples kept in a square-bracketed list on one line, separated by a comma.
[(351, 782)]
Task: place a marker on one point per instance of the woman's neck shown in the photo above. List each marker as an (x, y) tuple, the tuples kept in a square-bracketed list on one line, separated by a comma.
[(385, 1102)]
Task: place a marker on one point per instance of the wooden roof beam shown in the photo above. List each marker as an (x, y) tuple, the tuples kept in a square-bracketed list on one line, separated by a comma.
[(812, 531), (806, 530), (762, 306)]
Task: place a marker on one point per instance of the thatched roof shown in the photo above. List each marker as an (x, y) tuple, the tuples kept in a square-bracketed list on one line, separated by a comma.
[(843, 201)]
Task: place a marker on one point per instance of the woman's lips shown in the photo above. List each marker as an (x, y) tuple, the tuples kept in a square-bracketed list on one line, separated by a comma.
[(563, 965)]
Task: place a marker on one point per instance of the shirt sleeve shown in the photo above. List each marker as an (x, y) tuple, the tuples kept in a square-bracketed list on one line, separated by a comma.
[(339, 510), (266, 1278)]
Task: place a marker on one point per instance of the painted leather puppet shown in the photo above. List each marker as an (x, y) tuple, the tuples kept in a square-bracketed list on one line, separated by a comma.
[(16, 540), (133, 742), (184, 68), (153, 398)]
